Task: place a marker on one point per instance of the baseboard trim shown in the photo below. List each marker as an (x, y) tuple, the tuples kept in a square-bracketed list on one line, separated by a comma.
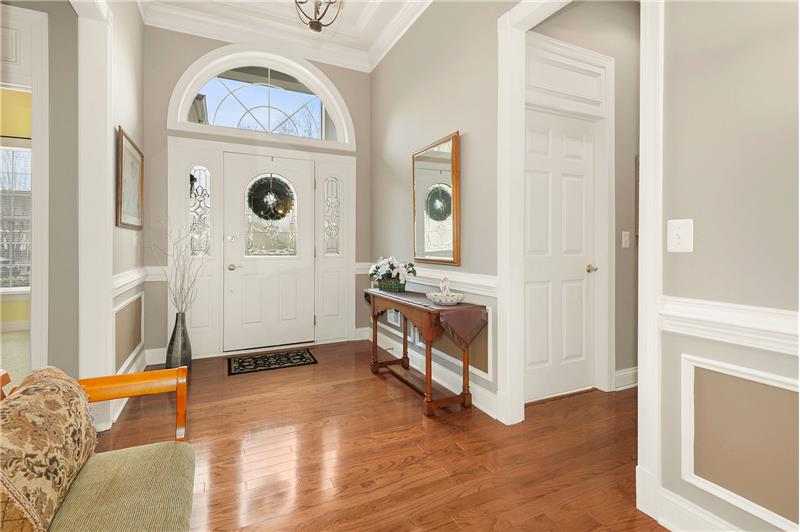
[(482, 399), (362, 333), (673, 511), (678, 513), (626, 378)]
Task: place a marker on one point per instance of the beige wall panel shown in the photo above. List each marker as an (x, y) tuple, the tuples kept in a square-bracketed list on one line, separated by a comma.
[(128, 330), (673, 346), (745, 439), (612, 28)]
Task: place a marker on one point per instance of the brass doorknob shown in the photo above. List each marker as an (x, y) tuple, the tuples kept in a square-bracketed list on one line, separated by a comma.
[(233, 267), (591, 268)]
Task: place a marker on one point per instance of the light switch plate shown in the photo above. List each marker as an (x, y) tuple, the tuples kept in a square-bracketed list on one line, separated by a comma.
[(680, 236), (626, 239)]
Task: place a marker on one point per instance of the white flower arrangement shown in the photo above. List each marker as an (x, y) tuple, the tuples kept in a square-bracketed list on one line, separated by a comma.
[(388, 268)]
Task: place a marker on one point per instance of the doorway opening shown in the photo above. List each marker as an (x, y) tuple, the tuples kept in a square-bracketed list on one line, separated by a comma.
[(24, 192), (581, 235)]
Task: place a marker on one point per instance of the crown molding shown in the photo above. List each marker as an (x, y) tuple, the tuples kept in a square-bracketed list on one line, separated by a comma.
[(395, 30), (299, 41)]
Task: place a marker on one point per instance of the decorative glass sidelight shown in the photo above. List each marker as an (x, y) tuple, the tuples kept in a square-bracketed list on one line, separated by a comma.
[(332, 217), (200, 211), (271, 216)]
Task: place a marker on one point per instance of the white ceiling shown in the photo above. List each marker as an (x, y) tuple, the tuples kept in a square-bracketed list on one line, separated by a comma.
[(360, 37)]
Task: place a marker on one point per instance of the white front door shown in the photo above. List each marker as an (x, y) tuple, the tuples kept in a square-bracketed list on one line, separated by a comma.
[(268, 239), (559, 244)]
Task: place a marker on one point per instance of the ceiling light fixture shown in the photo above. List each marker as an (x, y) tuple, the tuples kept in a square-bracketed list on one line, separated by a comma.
[(321, 8)]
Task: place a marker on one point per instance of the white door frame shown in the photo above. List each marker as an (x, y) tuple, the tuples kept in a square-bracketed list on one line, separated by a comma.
[(325, 164), (512, 28), (34, 77), (601, 113)]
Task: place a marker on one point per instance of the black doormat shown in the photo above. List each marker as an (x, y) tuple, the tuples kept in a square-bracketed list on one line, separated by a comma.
[(263, 362)]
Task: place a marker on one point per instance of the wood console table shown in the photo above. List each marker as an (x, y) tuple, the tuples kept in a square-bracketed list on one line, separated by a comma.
[(462, 322)]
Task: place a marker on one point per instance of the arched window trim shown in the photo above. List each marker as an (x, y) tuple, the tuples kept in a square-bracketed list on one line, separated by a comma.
[(236, 56)]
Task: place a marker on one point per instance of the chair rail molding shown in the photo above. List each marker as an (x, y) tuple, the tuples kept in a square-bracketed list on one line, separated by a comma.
[(472, 283), (758, 327), (127, 280)]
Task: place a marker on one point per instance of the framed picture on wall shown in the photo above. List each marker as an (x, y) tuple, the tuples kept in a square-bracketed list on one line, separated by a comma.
[(130, 182)]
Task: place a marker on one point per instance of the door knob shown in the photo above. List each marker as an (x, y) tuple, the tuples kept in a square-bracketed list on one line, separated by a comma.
[(233, 267), (591, 268)]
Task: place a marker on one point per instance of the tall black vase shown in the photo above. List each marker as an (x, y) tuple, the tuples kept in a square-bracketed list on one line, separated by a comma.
[(179, 350)]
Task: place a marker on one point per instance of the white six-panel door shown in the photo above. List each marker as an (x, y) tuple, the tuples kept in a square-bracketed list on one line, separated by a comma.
[(568, 222), (268, 293), (559, 244)]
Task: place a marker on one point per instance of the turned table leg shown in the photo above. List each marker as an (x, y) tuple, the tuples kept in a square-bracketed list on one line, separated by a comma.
[(429, 409), (466, 396), (405, 343), (374, 366)]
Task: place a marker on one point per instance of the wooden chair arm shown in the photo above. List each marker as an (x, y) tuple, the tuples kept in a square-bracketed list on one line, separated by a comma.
[(5, 378), (143, 383)]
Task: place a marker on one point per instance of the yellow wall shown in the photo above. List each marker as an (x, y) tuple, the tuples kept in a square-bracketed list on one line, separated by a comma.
[(11, 311), (15, 114)]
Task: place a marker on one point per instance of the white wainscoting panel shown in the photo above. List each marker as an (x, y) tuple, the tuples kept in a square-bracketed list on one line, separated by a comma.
[(688, 365)]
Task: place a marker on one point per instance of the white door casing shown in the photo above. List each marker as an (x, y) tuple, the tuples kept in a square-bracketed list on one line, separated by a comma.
[(569, 222), (268, 299), (205, 320)]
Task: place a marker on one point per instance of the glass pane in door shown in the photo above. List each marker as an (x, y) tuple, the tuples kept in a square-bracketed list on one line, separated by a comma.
[(271, 216)]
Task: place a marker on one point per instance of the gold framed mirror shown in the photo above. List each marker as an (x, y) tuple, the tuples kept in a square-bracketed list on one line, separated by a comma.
[(437, 202)]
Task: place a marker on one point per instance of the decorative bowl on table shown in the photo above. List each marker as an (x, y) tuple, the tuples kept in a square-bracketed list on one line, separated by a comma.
[(445, 299)]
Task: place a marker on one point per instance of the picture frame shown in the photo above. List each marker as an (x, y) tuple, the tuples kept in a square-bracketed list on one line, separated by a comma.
[(130, 182)]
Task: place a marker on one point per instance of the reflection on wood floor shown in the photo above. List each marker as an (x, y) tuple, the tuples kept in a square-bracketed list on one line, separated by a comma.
[(333, 446)]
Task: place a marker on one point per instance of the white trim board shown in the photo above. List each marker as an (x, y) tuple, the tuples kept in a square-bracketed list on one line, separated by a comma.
[(128, 280), (758, 327), (625, 378), (688, 365), (471, 283), (15, 326)]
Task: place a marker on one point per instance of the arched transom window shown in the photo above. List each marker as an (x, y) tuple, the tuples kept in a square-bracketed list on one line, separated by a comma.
[(262, 99)]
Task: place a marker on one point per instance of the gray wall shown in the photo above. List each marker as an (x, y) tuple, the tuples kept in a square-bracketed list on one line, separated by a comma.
[(612, 28), (730, 163), (167, 55), (441, 76), (63, 74), (730, 151), (127, 103)]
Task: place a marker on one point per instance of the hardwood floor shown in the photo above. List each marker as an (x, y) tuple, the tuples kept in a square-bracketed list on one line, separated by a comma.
[(332, 446)]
